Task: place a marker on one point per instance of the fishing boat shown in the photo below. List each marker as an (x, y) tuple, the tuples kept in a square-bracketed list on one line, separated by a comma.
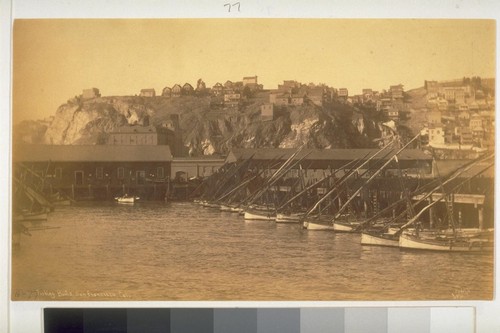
[(211, 205), (345, 226), (409, 240), (454, 239), (127, 199), (224, 208), (289, 218), (259, 214), (379, 239), (230, 208), (317, 225)]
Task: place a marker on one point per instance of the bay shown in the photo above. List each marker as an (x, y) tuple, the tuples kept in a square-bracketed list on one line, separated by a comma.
[(182, 251)]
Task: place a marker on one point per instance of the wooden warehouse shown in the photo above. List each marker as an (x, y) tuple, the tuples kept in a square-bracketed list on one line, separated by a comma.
[(94, 172)]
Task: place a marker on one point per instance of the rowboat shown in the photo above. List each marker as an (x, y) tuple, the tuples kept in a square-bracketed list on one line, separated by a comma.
[(126, 199)]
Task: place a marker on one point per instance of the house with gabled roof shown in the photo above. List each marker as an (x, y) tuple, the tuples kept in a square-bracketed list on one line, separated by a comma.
[(187, 89), (166, 92), (176, 90), (217, 89)]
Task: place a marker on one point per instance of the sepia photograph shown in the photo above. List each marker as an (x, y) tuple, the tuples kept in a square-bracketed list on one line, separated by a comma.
[(253, 159)]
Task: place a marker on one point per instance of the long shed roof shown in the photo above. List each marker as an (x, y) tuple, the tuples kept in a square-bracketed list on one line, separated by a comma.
[(91, 153), (321, 154)]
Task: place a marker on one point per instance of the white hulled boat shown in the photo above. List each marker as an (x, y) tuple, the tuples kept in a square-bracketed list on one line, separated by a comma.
[(126, 199), (379, 239), (411, 241), (317, 225), (288, 218), (341, 226), (257, 214)]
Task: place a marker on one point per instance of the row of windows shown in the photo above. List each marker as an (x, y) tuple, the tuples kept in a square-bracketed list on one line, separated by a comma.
[(99, 173)]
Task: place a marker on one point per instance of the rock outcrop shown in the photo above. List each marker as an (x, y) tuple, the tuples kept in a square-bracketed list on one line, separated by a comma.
[(207, 129)]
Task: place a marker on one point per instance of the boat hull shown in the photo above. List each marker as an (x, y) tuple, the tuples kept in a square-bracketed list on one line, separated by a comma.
[(126, 200), (230, 209), (285, 218), (259, 215), (379, 239), (345, 226), (312, 225), (210, 205), (412, 242)]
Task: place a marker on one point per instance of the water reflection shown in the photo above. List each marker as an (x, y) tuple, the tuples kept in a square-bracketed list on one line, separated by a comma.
[(181, 251)]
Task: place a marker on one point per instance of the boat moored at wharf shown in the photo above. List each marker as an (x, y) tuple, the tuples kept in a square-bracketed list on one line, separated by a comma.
[(452, 238), (412, 241)]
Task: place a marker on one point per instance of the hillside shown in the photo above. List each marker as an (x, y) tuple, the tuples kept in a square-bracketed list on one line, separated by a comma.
[(207, 129)]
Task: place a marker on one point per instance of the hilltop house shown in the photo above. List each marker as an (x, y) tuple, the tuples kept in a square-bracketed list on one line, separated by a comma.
[(217, 89), (166, 92), (396, 91), (147, 93), (187, 89), (176, 90), (289, 86), (249, 80), (343, 93), (232, 99), (90, 93)]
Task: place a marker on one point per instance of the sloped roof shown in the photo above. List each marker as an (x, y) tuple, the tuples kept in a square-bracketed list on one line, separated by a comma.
[(88, 153), (135, 129), (323, 154)]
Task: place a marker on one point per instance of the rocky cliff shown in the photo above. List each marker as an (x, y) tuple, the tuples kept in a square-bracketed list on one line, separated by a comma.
[(208, 129)]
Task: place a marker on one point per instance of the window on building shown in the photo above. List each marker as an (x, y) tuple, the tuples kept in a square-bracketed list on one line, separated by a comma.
[(58, 172), (160, 172), (121, 173), (140, 177), (99, 173), (79, 177)]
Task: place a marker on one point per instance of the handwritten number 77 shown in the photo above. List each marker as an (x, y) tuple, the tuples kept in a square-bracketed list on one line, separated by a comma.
[(229, 6)]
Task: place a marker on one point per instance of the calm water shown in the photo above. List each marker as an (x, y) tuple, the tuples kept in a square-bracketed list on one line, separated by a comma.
[(181, 251)]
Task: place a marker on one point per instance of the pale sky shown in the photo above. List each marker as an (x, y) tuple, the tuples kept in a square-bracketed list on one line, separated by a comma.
[(55, 59)]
